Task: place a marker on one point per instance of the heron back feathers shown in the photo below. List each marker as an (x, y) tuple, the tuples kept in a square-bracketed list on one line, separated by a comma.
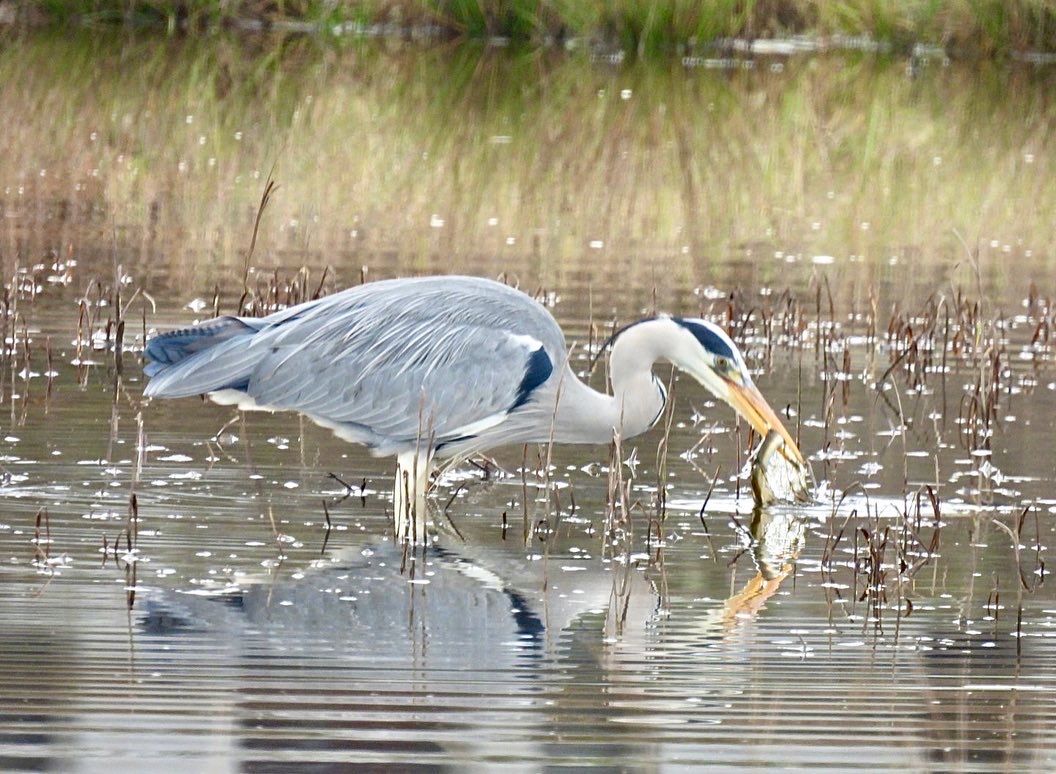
[(388, 364)]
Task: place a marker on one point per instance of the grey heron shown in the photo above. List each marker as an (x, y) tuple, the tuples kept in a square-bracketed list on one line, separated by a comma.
[(443, 367)]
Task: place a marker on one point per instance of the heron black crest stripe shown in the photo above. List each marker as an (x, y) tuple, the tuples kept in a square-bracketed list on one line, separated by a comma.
[(536, 372), (708, 338)]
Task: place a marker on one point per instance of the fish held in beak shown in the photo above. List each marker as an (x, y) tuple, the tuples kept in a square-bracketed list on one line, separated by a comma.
[(779, 470), (775, 477)]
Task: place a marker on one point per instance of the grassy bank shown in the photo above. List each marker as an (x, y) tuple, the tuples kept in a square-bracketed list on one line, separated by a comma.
[(962, 27), (457, 159)]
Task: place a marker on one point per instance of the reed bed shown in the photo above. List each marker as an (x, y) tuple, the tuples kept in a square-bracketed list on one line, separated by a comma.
[(976, 27)]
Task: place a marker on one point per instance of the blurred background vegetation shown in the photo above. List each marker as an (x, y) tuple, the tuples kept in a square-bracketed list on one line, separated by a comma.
[(471, 158), (164, 120), (961, 27)]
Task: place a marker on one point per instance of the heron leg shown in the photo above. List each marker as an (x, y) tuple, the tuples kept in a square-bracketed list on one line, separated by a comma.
[(409, 506)]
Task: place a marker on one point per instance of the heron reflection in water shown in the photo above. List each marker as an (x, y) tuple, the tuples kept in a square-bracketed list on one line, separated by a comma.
[(441, 368)]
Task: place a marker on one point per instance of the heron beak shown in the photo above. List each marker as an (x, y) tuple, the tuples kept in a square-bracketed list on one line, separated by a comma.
[(750, 404)]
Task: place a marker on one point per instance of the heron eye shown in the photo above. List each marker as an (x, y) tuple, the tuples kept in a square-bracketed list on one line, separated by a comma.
[(723, 365)]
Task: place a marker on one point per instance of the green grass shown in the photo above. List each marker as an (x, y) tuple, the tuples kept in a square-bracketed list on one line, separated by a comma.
[(965, 27)]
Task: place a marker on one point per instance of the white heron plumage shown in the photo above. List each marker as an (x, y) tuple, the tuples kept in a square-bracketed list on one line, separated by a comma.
[(443, 367)]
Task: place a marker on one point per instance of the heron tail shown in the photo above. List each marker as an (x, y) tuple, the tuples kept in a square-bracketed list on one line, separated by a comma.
[(208, 357)]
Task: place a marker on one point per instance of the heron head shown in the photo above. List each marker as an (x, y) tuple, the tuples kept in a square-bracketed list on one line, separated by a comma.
[(706, 352)]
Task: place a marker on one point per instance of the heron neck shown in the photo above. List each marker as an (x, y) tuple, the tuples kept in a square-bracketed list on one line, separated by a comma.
[(588, 416)]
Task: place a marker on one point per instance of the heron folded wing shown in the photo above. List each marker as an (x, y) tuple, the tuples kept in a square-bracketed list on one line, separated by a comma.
[(396, 360), (405, 386)]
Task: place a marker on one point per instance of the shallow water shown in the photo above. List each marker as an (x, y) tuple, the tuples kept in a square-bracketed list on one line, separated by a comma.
[(545, 626)]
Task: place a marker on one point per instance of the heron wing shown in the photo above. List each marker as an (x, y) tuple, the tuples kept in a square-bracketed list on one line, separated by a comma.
[(435, 358)]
